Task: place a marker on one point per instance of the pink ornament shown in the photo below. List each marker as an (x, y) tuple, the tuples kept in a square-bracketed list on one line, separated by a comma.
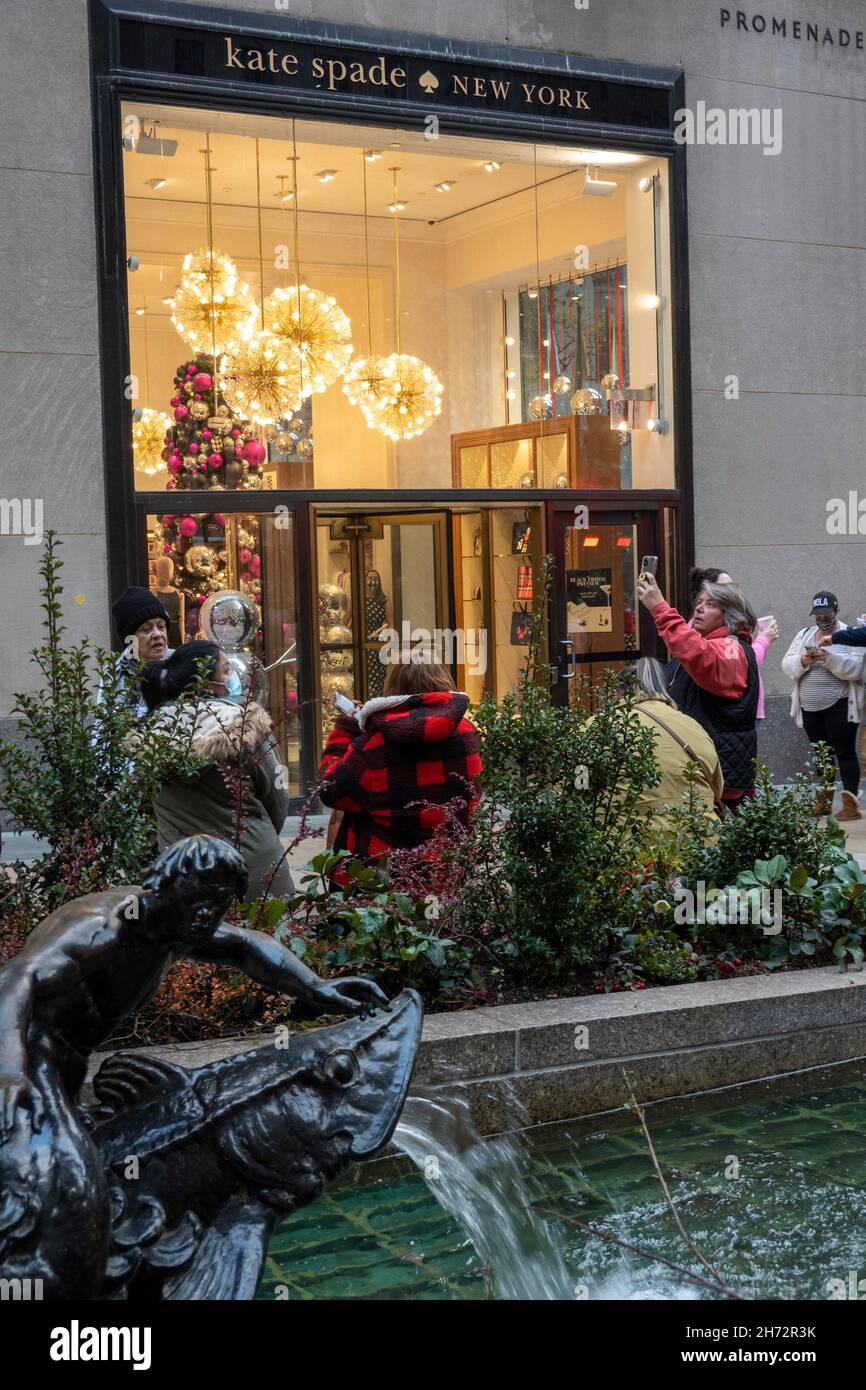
[(245, 555), (166, 549), (181, 412), (202, 381), (168, 519), (175, 400), (194, 448), (207, 434), (169, 487), (254, 452), (256, 565), (202, 598), (215, 460), (191, 369), (188, 526), (257, 597), (202, 468), (236, 434), (174, 465), (197, 396), (219, 519)]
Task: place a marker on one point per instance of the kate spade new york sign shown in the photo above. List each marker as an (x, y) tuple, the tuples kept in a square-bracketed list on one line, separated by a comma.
[(427, 80)]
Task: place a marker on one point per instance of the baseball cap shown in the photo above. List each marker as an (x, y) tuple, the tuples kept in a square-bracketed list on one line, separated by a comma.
[(824, 602)]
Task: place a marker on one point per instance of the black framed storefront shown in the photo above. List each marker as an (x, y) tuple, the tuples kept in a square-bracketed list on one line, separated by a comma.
[(228, 61)]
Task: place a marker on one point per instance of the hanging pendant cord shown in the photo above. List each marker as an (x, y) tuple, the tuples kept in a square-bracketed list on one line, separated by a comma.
[(297, 247), (259, 219), (367, 258), (209, 198), (146, 371), (395, 172)]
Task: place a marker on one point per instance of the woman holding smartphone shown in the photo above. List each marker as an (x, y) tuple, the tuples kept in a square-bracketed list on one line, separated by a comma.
[(713, 675), (827, 699)]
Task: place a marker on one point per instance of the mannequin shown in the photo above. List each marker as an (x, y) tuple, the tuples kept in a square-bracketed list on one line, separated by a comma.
[(171, 598)]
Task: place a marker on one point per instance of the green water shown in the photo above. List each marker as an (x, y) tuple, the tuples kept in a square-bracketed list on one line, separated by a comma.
[(793, 1218)]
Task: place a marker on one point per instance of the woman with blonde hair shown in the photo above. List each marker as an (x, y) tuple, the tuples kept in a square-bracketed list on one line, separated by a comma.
[(393, 766)]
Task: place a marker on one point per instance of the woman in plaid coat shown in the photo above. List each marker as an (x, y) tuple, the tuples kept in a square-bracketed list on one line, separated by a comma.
[(393, 767)]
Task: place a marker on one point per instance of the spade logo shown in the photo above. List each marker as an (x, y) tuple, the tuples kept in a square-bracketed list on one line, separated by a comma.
[(429, 81)]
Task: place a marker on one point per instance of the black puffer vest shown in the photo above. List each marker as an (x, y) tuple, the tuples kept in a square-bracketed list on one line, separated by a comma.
[(729, 723)]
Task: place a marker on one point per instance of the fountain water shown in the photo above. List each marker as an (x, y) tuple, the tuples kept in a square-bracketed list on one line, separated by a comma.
[(485, 1184)]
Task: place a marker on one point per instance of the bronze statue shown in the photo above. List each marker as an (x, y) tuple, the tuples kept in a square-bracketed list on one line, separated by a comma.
[(170, 1186)]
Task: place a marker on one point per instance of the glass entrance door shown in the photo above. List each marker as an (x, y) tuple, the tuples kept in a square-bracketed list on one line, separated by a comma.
[(597, 622), (381, 581)]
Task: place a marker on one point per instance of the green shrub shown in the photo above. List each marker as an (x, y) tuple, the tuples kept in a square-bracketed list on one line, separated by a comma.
[(663, 958)]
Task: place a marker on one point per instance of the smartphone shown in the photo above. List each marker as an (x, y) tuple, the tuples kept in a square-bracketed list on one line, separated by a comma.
[(344, 704), (648, 566)]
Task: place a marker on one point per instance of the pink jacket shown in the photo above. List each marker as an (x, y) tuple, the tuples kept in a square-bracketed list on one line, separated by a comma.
[(760, 646)]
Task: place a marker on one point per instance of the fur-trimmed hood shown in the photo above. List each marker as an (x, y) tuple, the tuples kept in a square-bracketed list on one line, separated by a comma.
[(219, 727), (425, 718)]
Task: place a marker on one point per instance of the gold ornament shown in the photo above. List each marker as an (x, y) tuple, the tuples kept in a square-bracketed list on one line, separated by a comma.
[(561, 385), (260, 379), (199, 410), (411, 398), (207, 272), (214, 325), (201, 560), (315, 331), (587, 401), (148, 440), (541, 407)]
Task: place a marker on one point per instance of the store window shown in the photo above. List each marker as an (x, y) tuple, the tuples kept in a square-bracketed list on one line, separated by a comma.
[(248, 559), (474, 313)]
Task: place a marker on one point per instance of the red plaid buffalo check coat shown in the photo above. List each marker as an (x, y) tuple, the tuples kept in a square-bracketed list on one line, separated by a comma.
[(393, 769)]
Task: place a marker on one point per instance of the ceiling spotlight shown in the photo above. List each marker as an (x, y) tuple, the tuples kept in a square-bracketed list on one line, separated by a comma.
[(653, 301), (491, 165), (596, 187), (327, 175), (149, 142), (156, 184), (139, 312), (372, 155), (444, 187), (511, 374), (397, 207), (511, 395), (533, 294), (509, 342), (623, 426), (168, 300), (284, 193), (646, 183), (132, 263), (656, 426)]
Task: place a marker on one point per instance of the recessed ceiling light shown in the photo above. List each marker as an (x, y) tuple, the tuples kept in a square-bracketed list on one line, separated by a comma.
[(156, 183), (326, 175), (397, 207), (372, 155), (509, 342), (168, 300), (394, 145), (491, 165), (444, 187), (139, 312), (533, 294)]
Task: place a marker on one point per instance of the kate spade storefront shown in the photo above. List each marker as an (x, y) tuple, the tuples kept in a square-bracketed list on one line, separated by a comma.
[(384, 322)]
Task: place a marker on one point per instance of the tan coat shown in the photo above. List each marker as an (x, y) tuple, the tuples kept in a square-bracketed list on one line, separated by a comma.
[(672, 758), (226, 733)]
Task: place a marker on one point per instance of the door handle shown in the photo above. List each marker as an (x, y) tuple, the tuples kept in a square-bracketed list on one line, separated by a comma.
[(566, 652)]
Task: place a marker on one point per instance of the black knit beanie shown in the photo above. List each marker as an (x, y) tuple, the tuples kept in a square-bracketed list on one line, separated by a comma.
[(133, 608)]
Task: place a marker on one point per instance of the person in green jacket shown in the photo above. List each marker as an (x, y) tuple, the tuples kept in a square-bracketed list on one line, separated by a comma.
[(243, 780)]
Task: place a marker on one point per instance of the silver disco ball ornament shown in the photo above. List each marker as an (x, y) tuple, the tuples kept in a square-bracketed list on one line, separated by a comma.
[(561, 480), (230, 619), (561, 385), (610, 381), (541, 407), (251, 672), (527, 480), (587, 401)]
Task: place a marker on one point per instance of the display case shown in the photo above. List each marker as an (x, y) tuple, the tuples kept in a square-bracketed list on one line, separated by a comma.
[(572, 451)]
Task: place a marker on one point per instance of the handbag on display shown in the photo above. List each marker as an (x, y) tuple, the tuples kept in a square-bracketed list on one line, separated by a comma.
[(524, 581), (521, 626)]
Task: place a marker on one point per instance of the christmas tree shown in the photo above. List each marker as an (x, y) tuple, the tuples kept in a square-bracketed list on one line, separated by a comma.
[(209, 446)]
